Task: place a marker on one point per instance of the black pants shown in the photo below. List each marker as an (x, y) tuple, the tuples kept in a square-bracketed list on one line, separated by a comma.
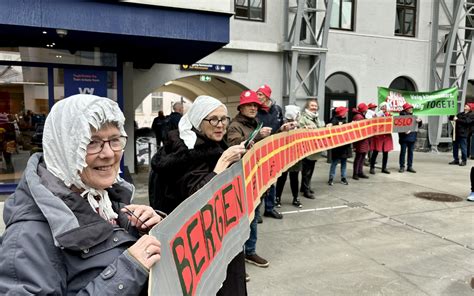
[(307, 174), (293, 183), (234, 283), (373, 159)]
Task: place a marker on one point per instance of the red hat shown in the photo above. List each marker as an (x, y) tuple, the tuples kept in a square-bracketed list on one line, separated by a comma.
[(247, 97), (341, 111), (266, 90), (372, 105), (407, 106), (362, 107), (471, 106)]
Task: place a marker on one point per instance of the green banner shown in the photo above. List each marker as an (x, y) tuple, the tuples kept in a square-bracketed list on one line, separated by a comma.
[(441, 102)]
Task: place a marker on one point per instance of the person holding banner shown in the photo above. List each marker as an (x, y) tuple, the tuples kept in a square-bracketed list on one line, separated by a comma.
[(192, 156), (70, 227), (292, 114), (309, 119), (341, 153), (240, 129), (360, 147), (272, 116), (381, 143), (462, 126), (407, 142)]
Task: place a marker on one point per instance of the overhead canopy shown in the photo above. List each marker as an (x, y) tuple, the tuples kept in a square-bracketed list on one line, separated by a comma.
[(142, 34)]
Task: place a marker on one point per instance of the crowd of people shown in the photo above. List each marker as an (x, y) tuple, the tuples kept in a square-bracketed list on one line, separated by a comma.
[(74, 187)]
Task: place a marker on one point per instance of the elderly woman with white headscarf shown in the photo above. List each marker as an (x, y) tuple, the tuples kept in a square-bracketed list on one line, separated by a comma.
[(193, 155), (70, 227)]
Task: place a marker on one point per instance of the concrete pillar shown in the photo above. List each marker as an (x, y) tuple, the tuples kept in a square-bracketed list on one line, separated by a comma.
[(129, 112)]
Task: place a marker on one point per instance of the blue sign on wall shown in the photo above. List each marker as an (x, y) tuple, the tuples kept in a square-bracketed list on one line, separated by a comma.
[(207, 68), (92, 82)]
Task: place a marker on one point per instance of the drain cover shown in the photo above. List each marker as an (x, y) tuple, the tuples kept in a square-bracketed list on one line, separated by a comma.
[(436, 196)]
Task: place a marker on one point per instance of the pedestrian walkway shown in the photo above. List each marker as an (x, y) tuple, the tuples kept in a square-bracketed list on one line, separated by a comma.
[(372, 237)]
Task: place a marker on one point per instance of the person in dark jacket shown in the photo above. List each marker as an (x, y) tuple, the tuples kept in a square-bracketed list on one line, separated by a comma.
[(462, 127), (341, 153), (192, 156), (159, 128), (272, 116), (407, 142), (360, 147), (70, 227), (243, 124), (175, 116)]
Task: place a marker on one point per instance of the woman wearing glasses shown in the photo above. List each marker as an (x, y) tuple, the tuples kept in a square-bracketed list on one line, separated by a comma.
[(70, 227), (193, 155)]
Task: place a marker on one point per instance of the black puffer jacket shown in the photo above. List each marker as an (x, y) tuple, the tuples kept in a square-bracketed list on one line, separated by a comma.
[(464, 122), (344, 151)]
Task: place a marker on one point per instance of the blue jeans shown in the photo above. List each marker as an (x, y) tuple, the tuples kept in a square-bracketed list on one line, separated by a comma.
[(460, 143), (404, 146), (270, 199), (332, 170), (251, 244)]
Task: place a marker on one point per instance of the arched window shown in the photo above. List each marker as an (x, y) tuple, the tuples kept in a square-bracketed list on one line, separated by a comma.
[(403, 83), (340, 91)]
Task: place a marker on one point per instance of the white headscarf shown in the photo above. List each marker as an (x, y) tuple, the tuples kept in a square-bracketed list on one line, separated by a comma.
[(202, 106), (292, 112), (66, 134)]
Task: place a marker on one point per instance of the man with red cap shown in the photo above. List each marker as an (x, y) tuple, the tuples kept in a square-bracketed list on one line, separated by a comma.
[(341, 153), (407, 142), (272, 116), (462, 125), (360, 147), (243, 124)]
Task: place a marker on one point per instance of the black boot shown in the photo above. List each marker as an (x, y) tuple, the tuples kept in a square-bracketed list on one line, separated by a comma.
[(297, 203), (278, 202)]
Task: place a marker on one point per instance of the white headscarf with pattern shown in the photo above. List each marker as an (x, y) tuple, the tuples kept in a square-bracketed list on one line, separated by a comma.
[(66, 134)]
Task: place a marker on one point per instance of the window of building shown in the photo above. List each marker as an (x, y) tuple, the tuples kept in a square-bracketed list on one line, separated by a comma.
[(406, 18), (253, 10), (402, 83), (342, 15)]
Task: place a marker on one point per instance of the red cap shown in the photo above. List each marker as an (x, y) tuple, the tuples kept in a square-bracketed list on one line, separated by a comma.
[(362, 107), (266, 90), (471, 106), (372, 105), (341, 111), (247, 97), (407, 106)]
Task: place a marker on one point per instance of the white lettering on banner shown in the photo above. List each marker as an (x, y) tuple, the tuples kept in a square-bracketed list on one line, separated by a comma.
[(86, 90)]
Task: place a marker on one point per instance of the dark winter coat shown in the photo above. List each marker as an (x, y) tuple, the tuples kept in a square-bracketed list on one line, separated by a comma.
[(464, 122), (273, 118), (344, 151), (55, 244), (240, 129), (173, 120), (410, 137), (181, 171), (361, 146)]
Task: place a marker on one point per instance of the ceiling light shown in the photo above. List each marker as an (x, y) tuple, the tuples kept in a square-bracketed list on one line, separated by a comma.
[(168, 83), (44, 32)]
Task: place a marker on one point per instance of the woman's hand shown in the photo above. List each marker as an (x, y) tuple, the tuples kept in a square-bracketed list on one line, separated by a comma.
[(147, 250), (141, 216), (231, 155), (329, 125), (265, 131)]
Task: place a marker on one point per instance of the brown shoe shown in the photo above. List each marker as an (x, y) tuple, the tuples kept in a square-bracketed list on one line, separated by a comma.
[(256, 260)]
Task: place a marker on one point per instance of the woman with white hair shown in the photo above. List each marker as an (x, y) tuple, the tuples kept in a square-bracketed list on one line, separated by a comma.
[(193, 155), (381, 143), (70, 227)]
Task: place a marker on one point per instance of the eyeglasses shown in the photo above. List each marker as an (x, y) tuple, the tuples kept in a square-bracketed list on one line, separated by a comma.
[(215, 121), (116, 144)]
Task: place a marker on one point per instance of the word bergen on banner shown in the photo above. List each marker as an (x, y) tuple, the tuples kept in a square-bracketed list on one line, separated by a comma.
[(206, 231)]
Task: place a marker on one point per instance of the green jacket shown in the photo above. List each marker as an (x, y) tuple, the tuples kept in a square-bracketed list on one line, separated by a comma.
[(307, 122)]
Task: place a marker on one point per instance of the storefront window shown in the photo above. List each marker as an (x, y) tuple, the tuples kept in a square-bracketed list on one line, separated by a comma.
[(23, 110)]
